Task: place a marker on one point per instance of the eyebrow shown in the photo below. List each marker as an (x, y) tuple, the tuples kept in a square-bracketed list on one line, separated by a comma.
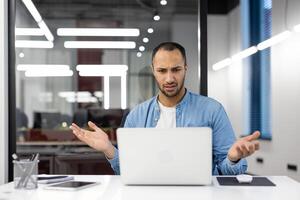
[(174, 67)]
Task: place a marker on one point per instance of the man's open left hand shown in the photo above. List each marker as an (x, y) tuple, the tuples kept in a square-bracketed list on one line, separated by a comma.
[(244, 147)]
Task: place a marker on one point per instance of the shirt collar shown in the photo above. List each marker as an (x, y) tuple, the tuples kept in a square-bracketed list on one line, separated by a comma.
[(180, 104)]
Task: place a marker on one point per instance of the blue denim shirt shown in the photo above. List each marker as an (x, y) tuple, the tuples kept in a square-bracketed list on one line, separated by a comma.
[(193, 111)]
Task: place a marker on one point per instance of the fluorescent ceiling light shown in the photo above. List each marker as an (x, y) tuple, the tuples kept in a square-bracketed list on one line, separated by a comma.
[(222, 64), (297, 28), (273, 40), (66, 94), (100, 44), (83, 94), (244, 54), (156, 17), (101, 73), (106, 68), (145, 40), (46, 31), (142, 48), (29, 31), (21, 55), (39, 67), (98, 94), (82, 99), (51, 73), (150, 30), (32, 9), (106, 92), (123, 92), (163, 2), (33, 44), (98, 32), (102, 70)]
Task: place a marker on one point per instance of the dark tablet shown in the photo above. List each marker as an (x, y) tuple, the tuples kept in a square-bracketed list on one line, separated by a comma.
[(71, 185)]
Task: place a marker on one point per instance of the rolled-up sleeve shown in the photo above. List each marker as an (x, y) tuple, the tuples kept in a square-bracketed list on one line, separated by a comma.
[(114, 162), (223, 139), (229, 168)]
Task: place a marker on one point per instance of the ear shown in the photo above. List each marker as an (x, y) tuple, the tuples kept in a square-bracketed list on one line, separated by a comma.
[(186, 67)]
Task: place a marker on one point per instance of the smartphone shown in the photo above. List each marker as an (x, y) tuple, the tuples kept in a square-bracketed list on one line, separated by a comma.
[(71, 185), (50, 177)]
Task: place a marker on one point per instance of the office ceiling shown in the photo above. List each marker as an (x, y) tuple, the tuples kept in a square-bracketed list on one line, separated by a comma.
[(118, 9), (221, 6)]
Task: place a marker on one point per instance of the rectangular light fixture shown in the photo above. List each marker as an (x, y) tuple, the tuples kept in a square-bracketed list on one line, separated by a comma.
[(82, 99), (33, 44), (273, 40), (297, 28), (46, 31), (100, 44), (98, 94), (106, 92), (102, 70), (42, 67), (123, 92), (32, 9), (28, 32), (66, 94), (105, 68), (101, 74), (244, 54), (120, 32), (222, 64), (51, 73)]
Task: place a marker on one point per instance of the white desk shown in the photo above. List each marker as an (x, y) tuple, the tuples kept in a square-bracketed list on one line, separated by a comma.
[(111, 188)]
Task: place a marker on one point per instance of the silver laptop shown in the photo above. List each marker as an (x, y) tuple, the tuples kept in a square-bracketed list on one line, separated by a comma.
[(173, 156)]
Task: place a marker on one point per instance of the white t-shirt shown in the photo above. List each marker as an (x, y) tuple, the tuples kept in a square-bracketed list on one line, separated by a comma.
[(167, 117)]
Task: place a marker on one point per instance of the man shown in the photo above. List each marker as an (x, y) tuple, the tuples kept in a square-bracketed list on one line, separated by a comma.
[(174, 106)]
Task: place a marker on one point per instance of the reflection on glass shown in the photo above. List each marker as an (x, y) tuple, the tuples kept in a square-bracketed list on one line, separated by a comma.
[(81, 61)]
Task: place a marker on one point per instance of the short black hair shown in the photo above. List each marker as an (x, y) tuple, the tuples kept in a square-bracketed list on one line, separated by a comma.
[(169, 46)]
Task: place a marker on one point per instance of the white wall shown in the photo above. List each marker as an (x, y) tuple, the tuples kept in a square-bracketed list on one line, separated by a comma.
[(3, 94), (285, 95), (228, 86)]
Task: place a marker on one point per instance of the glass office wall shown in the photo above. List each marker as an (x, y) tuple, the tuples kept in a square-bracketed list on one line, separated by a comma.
[(89, 60)]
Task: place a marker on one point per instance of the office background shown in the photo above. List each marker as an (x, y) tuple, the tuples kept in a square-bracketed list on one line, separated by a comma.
[(280, 155), (4, 95), (37, 98)]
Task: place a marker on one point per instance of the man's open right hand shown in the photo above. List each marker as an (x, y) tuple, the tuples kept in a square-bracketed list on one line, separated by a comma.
[(96, 139)]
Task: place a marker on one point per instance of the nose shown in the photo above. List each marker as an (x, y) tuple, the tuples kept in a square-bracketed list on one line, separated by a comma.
[(170, 77)]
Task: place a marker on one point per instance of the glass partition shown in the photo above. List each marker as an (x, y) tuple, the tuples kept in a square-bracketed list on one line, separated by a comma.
[(89, 60)]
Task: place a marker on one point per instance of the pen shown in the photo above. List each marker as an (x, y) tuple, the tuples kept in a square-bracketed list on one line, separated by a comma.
[(28, 173)]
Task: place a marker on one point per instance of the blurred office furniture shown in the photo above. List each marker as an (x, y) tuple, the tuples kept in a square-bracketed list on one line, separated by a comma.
[(60, 150), (21, 119), (46, 120), (80, 117)]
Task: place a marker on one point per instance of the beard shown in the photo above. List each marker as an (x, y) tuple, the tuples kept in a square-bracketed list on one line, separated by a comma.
[(176, 88)]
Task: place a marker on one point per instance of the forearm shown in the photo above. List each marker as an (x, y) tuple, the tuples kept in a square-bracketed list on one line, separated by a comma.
[(226, 167), (114, 161), (110, 152)]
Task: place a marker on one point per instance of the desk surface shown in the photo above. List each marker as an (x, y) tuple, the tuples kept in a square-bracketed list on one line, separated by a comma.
[(111, 188)]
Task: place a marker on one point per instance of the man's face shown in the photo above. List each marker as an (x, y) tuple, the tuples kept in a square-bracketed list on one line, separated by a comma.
[(169, 71)]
